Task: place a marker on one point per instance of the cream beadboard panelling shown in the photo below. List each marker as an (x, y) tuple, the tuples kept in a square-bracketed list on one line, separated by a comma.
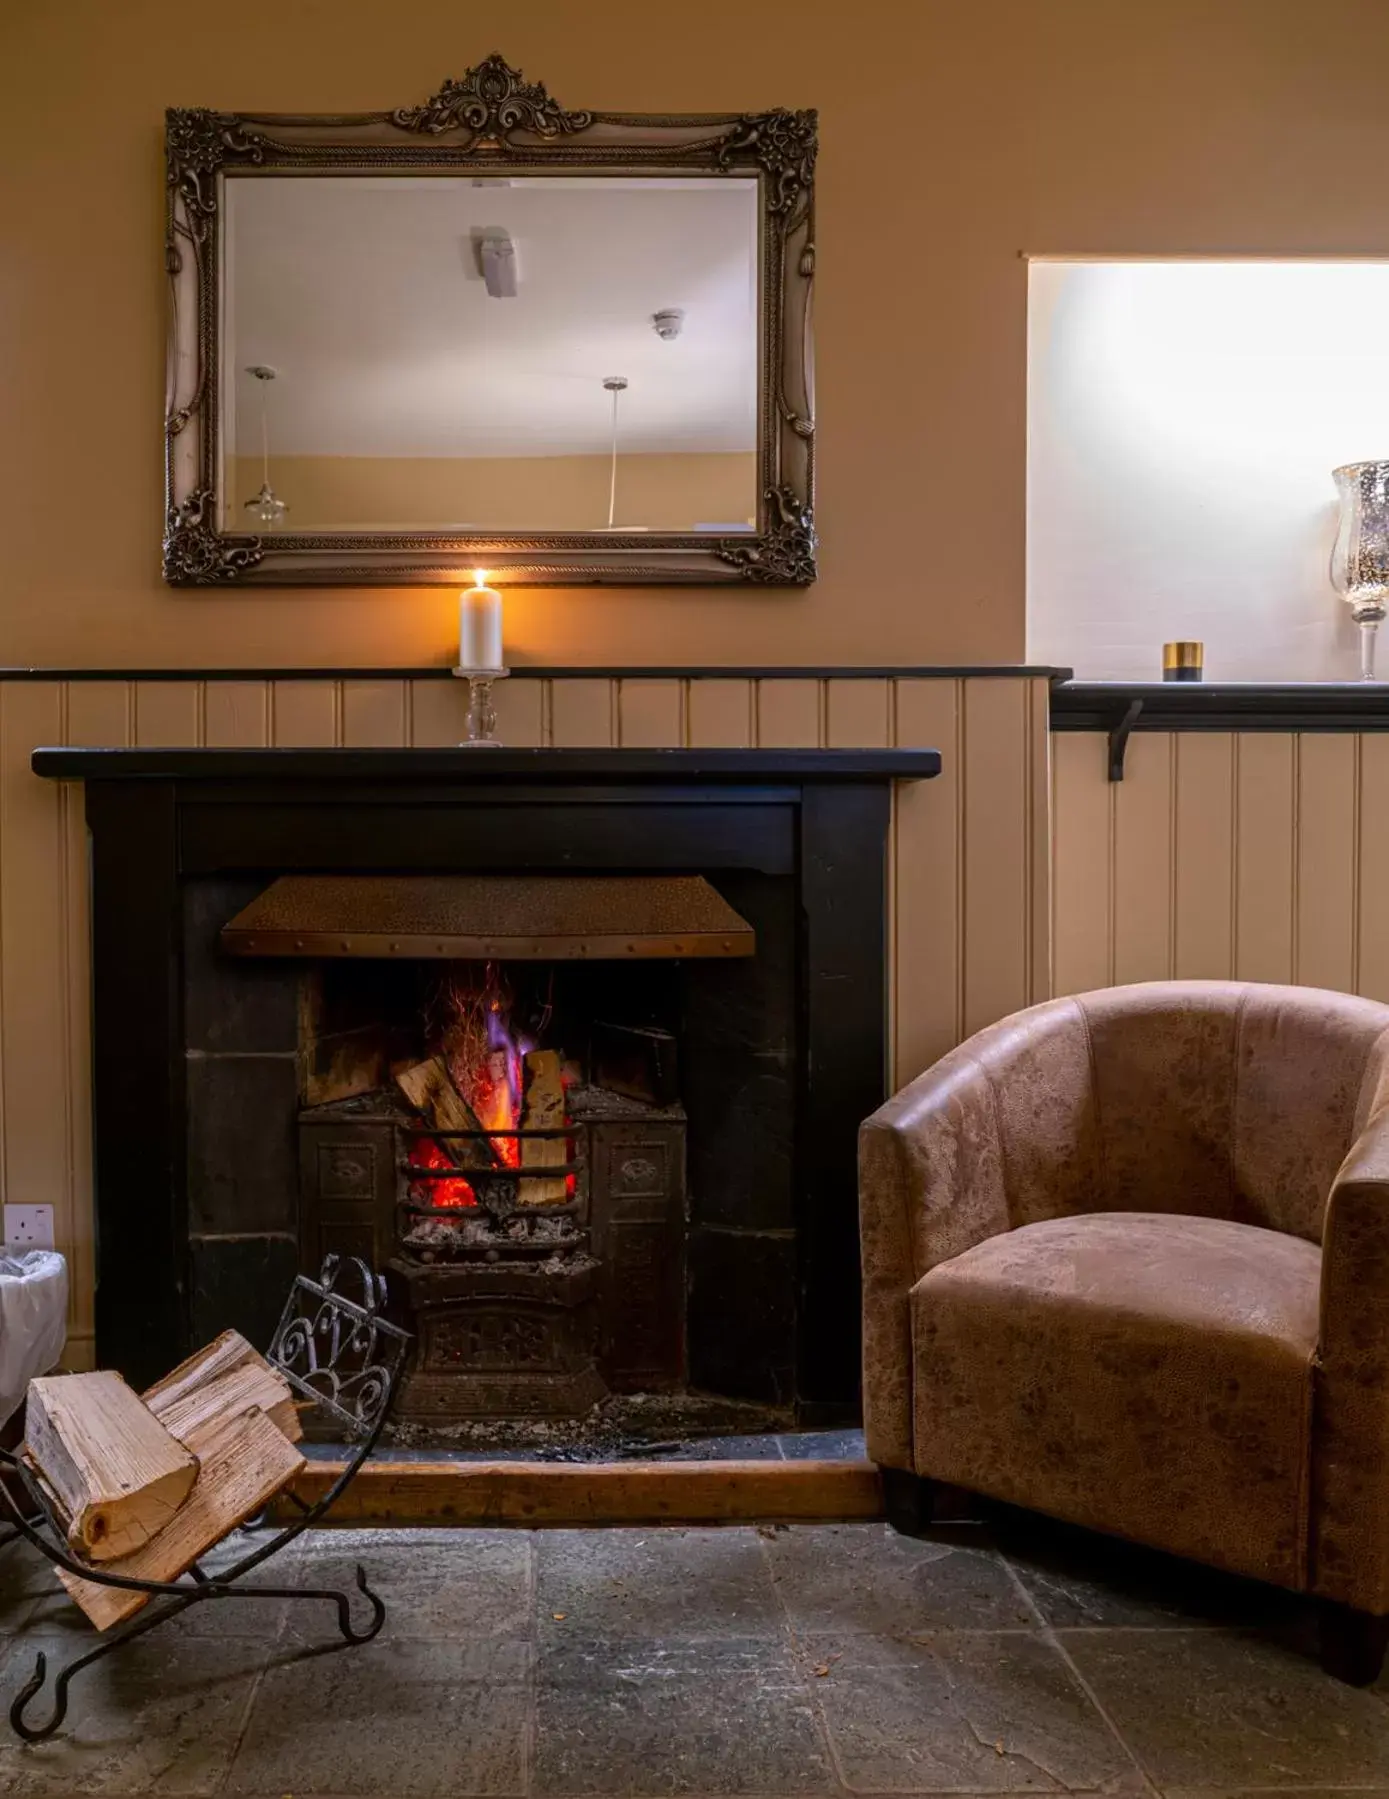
[(969, 922), (1252, 855)]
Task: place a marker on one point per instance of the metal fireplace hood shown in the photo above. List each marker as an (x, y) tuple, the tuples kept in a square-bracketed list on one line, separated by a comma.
[(490, 918)]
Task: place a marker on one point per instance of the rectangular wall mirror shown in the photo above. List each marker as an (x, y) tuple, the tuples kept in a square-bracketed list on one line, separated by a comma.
[(571, 347)]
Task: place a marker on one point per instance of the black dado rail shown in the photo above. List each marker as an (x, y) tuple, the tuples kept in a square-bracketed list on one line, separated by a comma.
[(1118, 708), (490, 766), (939, 671)]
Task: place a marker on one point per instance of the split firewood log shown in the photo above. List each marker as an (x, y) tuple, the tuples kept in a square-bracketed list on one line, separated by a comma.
[(243, 1463), (223, 1380), (118, 1475)]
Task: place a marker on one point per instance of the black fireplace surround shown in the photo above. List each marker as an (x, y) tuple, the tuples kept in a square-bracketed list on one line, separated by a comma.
[(170, 825)]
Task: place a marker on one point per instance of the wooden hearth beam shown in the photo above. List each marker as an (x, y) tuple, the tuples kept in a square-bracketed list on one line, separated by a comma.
[(541, 1494)]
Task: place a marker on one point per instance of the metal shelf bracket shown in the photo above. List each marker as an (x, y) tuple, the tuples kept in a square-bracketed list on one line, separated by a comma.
[(1119, 739)]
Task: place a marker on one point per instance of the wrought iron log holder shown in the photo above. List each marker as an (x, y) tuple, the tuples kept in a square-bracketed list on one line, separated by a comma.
[(334, 1350)]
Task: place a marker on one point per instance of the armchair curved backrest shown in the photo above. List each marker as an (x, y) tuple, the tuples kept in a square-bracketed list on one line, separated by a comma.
[(1216, 1098)]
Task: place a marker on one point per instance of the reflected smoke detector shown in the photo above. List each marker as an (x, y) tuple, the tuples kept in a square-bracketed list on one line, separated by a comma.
[(496, 255), (668, 323), (267, 507)]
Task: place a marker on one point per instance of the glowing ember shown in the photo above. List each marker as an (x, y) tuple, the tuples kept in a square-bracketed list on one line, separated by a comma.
[(455, 1194)]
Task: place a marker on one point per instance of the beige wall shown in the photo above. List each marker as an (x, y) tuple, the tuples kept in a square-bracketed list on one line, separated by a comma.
[(955, 136), (1258, 856), (503, 493), (968, 910)]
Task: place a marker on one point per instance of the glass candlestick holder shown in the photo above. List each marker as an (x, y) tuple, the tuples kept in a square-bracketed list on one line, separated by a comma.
[(1360, 555), (482, 714)]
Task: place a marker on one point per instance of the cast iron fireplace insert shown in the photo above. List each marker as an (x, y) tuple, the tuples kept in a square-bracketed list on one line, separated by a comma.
[(502, 1091), (167, 823)]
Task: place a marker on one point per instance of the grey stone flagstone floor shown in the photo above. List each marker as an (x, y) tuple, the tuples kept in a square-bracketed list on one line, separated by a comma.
[(1008, 1658)]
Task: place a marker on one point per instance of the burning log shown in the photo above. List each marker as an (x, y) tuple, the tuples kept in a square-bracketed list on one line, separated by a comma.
[(117, 1473), (543, 1110), (430, 1090)]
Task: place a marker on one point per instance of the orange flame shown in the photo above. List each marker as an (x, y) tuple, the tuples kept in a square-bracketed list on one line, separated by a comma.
[(470, 1020)]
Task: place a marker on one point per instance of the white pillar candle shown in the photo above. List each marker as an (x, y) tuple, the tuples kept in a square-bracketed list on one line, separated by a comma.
[(480, 625)]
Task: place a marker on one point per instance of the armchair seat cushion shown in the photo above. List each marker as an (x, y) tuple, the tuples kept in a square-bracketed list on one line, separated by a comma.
[(1148, 1374)]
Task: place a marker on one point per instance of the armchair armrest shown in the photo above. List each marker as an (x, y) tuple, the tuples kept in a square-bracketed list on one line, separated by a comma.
[(997, 1134), (1350, 1420), (930, 1186)]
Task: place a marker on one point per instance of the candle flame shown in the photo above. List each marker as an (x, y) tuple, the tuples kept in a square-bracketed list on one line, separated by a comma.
[(479, 577)]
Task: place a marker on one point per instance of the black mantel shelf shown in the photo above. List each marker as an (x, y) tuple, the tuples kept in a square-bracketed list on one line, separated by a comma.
[(742, 767)]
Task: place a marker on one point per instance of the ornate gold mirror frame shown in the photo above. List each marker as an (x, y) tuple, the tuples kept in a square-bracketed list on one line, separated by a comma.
[(490, 120)]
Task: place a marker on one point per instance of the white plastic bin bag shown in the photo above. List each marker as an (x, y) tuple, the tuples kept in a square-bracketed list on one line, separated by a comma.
[(33, 1321)]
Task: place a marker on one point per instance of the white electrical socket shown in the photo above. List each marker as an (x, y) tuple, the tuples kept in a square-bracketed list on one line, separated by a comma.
[(28, 1227)]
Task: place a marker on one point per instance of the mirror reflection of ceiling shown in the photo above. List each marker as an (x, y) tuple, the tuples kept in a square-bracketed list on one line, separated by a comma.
[(367, 297)]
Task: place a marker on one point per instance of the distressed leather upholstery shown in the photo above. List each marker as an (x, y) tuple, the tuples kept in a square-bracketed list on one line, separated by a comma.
[(1126, 1261)]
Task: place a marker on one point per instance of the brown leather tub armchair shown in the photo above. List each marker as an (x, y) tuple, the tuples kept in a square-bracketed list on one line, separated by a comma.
[(1126, 1262)]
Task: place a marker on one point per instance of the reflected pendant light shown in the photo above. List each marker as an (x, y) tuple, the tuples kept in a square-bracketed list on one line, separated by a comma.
[(266, 506), (615, 385)]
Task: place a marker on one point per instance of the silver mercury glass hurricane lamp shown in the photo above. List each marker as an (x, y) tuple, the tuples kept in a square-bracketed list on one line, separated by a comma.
[(1360, 554)]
